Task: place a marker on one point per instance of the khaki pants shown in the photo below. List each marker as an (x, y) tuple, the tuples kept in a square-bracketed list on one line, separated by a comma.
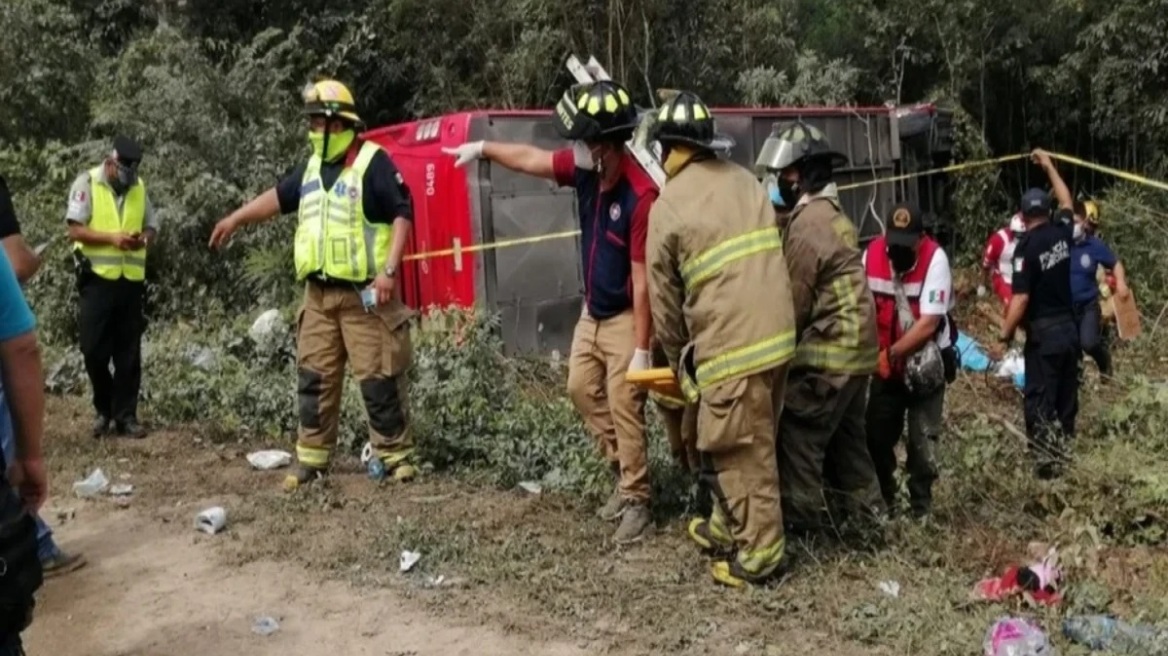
[(613, 409), (333, 327), (737, 423), (822, 434)]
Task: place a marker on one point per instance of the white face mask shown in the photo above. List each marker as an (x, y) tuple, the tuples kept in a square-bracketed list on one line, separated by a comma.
[(1078, 231)]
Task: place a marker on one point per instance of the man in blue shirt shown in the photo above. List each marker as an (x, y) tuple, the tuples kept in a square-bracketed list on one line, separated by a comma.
[(23, 485), (1088, 253), (25, 263)]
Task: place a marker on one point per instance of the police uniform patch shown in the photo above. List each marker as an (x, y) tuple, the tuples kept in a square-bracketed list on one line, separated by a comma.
[(1085, 261), (614, 212), (1018, 263)]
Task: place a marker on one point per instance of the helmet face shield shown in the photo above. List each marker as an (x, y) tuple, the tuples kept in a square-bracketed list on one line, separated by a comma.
[(776, 154)]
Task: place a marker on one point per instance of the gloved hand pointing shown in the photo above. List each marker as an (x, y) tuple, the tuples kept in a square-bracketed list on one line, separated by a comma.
[(642, 360), (466, 153)]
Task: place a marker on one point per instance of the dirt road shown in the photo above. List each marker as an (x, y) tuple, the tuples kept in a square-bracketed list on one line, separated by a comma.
[(154, 589)]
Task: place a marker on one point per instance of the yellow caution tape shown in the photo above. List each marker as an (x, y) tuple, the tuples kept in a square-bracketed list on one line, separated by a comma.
[(457, 251), (1123, 175), (952, 168), (503, 243)]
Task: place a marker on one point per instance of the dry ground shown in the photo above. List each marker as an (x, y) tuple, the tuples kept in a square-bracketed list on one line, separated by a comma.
[(523, 574)]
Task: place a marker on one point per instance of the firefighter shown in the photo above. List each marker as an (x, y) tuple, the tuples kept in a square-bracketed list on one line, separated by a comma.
[(112, 223), (722, 313), (1044, 303), (997, 262), (827, 388), (349, 190), (912, 285), (612, 337), (1088, 254)]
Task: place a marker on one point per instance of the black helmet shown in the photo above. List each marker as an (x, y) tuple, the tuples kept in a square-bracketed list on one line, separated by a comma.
[(795, 143), (685, 119), (589, 112)]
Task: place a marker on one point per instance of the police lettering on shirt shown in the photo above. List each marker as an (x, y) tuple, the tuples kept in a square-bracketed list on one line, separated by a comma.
[(1057, 253)]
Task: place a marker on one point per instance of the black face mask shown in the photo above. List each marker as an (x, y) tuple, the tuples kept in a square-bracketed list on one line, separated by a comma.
[(789, 191), (902, 258)]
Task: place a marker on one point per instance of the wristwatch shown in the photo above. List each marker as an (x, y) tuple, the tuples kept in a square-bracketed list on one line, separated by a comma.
[(390, 270)]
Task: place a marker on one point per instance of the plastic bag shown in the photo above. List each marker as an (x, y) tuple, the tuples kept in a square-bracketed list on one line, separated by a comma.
[(1012, 636)]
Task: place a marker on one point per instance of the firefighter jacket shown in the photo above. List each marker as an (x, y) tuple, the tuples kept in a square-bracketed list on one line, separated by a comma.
[(834, 313), (718, 284)]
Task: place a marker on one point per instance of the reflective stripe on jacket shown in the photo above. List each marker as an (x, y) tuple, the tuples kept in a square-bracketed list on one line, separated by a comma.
[(718, 283), (110, 262), (834, 313), (333, 237)]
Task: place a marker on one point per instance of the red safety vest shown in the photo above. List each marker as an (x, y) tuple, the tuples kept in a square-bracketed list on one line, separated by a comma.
[(879, 271)]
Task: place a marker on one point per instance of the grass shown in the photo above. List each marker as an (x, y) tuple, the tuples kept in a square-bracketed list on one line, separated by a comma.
[(542, 565)]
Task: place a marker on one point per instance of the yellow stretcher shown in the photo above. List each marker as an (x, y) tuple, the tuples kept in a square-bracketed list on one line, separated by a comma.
[(660, 380)]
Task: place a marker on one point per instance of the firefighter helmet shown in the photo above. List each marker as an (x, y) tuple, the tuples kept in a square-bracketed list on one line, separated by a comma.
[(588, 112), (685, 119), (330, 98), (793, 143), (1091, 212)]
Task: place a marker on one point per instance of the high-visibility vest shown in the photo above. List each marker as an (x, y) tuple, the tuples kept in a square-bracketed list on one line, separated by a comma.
[(334, 239), (109, 262), (880, 281)]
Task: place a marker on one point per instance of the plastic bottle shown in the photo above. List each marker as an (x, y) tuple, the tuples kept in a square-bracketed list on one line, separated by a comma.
[(1100, 632), (375, 468)]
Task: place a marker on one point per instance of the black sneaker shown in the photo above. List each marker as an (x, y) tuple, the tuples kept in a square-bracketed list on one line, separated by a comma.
[(131, 429), (101, 426)]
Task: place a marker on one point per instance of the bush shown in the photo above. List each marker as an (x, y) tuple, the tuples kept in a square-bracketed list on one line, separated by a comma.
[(474, 410)]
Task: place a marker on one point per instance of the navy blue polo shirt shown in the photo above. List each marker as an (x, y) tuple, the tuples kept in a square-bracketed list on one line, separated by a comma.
[(1086, 256), (614, 225)]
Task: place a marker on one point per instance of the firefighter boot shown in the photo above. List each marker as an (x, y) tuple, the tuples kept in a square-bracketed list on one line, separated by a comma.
[(636, 523), (303, 476), (750, 568), (711, 534)]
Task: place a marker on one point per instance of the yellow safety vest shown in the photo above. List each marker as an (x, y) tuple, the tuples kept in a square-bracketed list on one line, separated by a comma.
[(333, 238), (109, 262)]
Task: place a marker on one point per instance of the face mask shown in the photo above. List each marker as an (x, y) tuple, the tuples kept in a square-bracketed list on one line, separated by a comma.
[(771, 183), (902, 258), (127, 175), (1078, 232), (338, 144), (789, 192)]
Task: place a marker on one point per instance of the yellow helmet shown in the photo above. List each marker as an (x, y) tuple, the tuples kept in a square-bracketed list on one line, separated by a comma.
[(1091, 212), (330, 98)]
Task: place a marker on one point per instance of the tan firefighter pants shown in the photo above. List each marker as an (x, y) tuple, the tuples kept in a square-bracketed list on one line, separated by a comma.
[(737, 424), (333, 327), (680, 420), (612, 408)]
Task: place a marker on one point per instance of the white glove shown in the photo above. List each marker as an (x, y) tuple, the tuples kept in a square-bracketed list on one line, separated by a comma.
[(981, 291), (642, 360), (466, 153)]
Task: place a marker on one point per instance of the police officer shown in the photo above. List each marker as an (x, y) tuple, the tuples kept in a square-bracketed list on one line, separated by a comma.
[(1042, 302), (23, 376), (827, 389), (349, 190), (613, 197), (112, 222)]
